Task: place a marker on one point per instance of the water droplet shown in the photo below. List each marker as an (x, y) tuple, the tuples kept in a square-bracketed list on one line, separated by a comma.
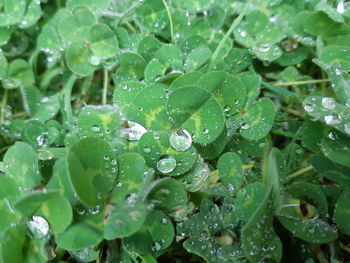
[(95, 128), (347, 128), (119, 184), (245, 126), (94, 210), (166, 164), (180, 140), (227, 108), (328, 103), (134, 132), (164, 221), (331, 136), (106, 157), (340, 7), (332, 119), (147, 149), (205, 131), (38, 227), (338, 71), (113, 162), (156, 247), (95, 61), (309, 107)]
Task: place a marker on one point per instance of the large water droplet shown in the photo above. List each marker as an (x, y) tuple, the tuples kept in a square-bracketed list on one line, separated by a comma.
[(328, 103), (332, 119), (166, 164), (180, 140), (38, 227), (245, 126), (156, 247), (309, 107), (134, 132), (95, 128)]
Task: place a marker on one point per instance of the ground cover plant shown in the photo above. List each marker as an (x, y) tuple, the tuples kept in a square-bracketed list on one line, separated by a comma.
[(174, 131)]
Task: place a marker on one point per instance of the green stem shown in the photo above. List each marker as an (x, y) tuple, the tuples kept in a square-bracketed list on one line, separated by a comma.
[(298, 173), (68, 97), (227, 35), (303, 82), (265, 160), (3, 105), (105, 86), (170, 21)]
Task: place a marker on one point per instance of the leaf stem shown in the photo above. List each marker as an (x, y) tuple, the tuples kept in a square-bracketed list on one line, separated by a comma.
[(170, 21), (68, 97), (298, 173), (3, 105), (298, 83), (105, 86), (227, 35)]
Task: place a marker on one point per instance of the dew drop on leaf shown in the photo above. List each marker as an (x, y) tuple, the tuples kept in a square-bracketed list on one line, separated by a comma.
[(147, 149), (180, 140), (245, 126), (309, 107), (332, 119), (164, 221), (95, 128), (166, 164), (205, 131), (38, 227), (328, 103), (134, 132)]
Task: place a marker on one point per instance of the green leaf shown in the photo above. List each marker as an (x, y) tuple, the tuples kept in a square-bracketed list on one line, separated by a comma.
[(342, 213), (11, 244), (230, 170), (3, 62), (60, 181), (92, 169), (260, 241), (23, 168), (187, 79), (53, 206), (197, 111), (228, 90), (248, 200), (32, 14), (156, 234), (131, 178), (132, 67), (156, 145), (103, 41), (327, 110), (148, 107), (148, 46), (12, 13), (124, 221), (197, 58), (125, 92), (311, 230), (336, 148), (153, 15), (19, 74), (98, 121), (310, 193), (167, 194), (83, 233), (80, 22), (8, 188), (258, 120), (77, 59), (340, 82), (334, 53)]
